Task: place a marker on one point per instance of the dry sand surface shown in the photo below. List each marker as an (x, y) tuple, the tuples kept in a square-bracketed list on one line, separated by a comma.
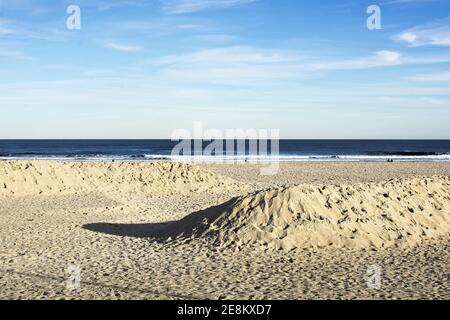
[(178, 231)]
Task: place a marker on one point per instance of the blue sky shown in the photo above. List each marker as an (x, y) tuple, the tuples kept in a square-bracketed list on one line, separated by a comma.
[(142, 69)]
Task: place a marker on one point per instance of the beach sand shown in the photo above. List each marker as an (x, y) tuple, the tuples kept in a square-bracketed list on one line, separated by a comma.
[(139, 230)]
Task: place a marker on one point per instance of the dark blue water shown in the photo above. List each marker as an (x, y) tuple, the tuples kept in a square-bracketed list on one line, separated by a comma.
[(295, 150)]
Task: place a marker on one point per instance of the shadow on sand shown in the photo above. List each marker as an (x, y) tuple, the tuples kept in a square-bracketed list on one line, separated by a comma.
[(194, 224)]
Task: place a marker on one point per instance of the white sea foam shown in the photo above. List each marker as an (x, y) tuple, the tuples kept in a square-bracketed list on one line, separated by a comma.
[(239, 158)]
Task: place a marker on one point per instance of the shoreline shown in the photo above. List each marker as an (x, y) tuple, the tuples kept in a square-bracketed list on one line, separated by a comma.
[(231, 161)]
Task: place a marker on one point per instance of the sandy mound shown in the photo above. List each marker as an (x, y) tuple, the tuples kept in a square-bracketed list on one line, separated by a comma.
[(48, 177), (401, 212)]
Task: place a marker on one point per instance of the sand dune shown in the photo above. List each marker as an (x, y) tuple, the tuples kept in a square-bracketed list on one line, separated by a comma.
[(401, 212), (46, 177)]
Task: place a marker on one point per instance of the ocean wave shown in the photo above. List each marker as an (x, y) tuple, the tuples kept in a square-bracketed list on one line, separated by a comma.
[(408, 153), (232, 158)]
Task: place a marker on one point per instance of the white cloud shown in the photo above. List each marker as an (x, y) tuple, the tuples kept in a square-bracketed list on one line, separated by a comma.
[(229, 55), (122, 47), (428, 35), (416, 101), (216, 37), (16, 30), (381, 58), (108, 5), (404, 2), (254, 66), (432, 77), (230, 65), (188, 6), (11, 54), (5, 28), (407, 37), (388, 56), (189, 26)]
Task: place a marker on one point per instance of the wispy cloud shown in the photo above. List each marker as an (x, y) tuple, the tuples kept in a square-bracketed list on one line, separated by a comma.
[(432, 77), (408, 2), (229, 65), (122, 47), (109, 5), (189, 6), (14, 30), (229, 55), (5, 29), (216, 37), (189, 26), (250, 65), (11, 54), (381, 58), (426, 35), (415, 101)]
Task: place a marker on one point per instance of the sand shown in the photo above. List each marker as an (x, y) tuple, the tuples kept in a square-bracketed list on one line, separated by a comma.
[(175, 231), (49, 178), (401, 212)]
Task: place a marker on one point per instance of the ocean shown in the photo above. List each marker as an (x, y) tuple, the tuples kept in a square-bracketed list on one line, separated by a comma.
[(289, 150)]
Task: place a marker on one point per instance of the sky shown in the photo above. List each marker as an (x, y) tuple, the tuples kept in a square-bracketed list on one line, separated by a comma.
[(144, 69)]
